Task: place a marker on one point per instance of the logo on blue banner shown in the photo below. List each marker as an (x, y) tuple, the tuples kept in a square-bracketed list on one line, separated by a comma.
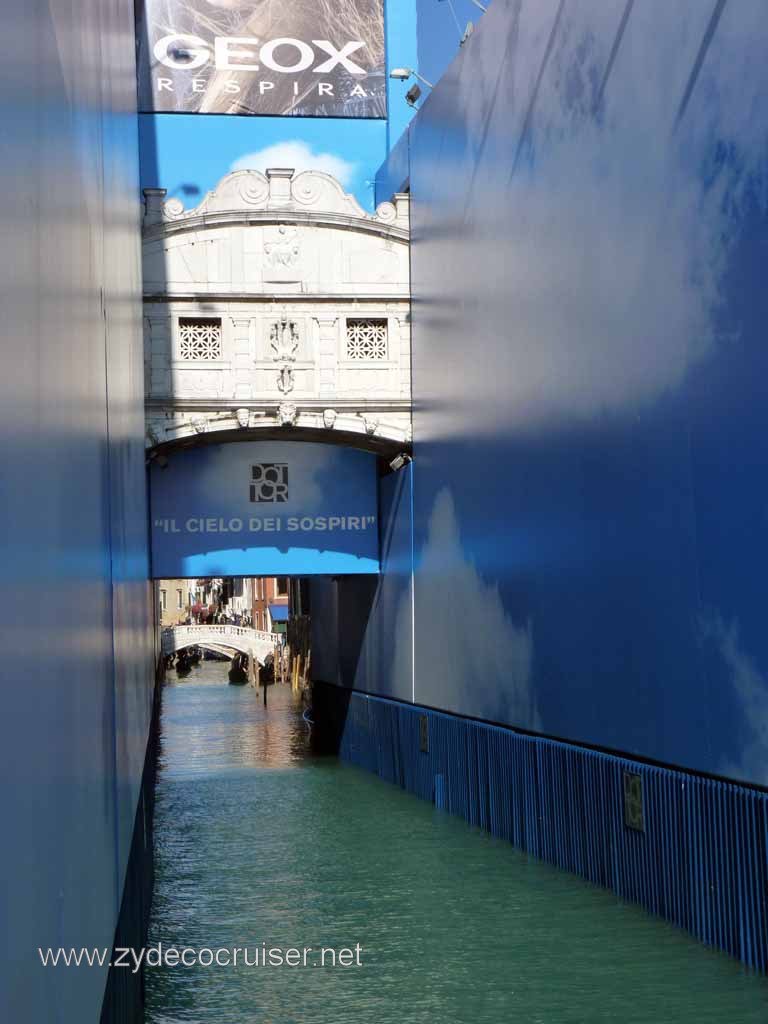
[(269, 481)]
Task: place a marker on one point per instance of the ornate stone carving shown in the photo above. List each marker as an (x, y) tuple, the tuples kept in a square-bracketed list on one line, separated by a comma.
[(199, 424), (173, 209), (284, 340), (371, 424), (252, 188), (281, 248), (243, 417), (287, 414), (329, 418), (285, 382), (199, 339), (386, 212), (279, 188), (367, 339), (152, 436), (321, 191)]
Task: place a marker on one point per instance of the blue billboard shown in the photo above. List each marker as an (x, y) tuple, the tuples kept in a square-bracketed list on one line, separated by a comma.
[(590, 228), (264, 509)]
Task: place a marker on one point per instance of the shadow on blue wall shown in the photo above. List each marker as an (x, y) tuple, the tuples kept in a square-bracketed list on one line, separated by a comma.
[(362, 626)]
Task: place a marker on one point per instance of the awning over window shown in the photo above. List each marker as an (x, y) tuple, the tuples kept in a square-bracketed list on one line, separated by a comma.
[(279, 612)]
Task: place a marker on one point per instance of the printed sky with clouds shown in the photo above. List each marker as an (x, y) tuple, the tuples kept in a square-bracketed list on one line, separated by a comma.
[(188, 154)]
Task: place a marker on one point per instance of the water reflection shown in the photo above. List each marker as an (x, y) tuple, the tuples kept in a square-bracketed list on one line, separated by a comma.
[(208, 729)]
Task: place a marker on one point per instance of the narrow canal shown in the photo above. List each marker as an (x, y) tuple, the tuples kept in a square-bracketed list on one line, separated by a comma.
[(260, 842)]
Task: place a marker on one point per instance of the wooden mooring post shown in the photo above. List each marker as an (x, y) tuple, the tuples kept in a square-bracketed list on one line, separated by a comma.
[(296, 673)]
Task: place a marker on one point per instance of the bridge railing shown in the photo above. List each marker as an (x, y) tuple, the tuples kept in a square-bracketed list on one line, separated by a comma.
[(174, 637)]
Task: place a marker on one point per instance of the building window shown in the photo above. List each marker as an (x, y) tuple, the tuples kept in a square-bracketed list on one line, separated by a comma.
[(199, 339), (179, 599), (366, 339), (282, 586), (163, 600)]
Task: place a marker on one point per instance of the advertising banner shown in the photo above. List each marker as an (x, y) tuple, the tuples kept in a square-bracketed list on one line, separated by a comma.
[(270, 508), (308, 58)]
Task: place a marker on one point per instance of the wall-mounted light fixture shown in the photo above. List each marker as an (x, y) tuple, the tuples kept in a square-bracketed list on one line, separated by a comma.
[(403, 74)]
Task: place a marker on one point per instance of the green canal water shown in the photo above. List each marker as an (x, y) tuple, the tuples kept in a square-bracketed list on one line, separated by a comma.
[(259, 842)]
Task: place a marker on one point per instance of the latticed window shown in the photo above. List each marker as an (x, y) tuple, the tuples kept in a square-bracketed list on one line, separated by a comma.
[(366, 339), (200, 339)]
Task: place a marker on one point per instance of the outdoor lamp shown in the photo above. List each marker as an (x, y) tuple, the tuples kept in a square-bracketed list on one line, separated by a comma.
[(403, 74)]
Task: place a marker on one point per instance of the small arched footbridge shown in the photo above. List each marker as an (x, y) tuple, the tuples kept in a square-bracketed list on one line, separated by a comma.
[(256, 643)]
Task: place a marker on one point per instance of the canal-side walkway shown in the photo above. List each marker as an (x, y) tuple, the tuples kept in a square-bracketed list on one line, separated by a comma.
[(259, 842)]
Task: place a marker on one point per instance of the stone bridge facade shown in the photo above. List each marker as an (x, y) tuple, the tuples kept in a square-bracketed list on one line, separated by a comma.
[(255, 643), (277, 305)]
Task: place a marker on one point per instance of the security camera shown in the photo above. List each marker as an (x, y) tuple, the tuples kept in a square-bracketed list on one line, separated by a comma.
[(413, 95), (399, 461)]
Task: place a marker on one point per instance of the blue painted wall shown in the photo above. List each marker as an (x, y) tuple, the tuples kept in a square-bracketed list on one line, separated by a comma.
[(590, 231), (77, 664)]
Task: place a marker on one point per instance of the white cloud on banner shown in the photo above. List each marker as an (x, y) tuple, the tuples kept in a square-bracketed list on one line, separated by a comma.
[(301, 157), (751, 689), (480, 660)]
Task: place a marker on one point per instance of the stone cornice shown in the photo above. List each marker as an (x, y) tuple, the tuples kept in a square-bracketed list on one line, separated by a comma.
[(158, 402), (209, 221), (384, 446), (282, 298)]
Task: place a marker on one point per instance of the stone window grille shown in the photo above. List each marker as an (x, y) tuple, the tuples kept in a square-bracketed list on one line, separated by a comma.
[(366, 339), (199, 339)]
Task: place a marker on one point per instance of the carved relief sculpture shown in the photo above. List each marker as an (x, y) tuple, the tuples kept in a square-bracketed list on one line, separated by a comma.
[(285, 380), (281, 250), (284, 340), (287, 414)]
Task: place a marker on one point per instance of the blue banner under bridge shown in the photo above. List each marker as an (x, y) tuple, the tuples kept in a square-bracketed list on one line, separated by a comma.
[(263, 509)]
